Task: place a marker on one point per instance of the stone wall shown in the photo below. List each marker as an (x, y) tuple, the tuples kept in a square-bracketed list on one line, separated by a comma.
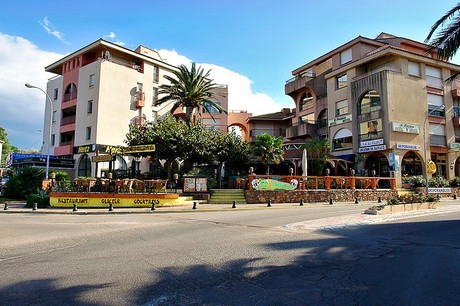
[(315, 196)]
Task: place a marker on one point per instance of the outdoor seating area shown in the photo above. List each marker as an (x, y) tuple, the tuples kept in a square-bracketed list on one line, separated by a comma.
[(121, 185)]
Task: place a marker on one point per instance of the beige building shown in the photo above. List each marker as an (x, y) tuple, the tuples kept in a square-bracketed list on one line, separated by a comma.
[(98, 91), (384, 105)]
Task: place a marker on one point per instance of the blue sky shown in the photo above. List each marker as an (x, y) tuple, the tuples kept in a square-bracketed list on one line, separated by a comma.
[(251, 45)]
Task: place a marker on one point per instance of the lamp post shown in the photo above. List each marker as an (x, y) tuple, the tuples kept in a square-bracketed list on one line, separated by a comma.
[(440, 107), (50, 124)]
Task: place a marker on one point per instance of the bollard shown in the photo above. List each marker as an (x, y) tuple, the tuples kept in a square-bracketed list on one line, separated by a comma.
[(455, 197), (111, 207), (75, 208), (356, 200), (6, 206), (379, 200), (301, 202), (330, 201), (153, 207), (34, 207), (194, 205), (269, 203), (234, 204)]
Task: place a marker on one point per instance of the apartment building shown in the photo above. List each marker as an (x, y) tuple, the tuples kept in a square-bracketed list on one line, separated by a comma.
[(383, 104), (98, 91)]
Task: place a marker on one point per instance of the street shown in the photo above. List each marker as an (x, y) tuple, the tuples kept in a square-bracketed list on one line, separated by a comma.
[(282, 256)]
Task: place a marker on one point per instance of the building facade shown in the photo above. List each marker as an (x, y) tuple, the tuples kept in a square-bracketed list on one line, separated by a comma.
[(383, 104), (99, 90)]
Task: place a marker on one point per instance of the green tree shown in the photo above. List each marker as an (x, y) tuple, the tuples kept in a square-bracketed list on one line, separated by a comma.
[(268, 149), (447, 41), (191, 89), (318, 152), (7, 146)]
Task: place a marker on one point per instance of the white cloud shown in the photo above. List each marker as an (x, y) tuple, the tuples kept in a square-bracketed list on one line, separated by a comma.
[(21, 109), (240, 93), (111, 37), (50, 29)]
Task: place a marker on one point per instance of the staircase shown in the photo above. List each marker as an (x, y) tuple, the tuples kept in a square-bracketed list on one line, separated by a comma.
[(227, 196)]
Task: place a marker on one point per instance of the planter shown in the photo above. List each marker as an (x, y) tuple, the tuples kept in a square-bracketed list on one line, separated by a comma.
[(391, 209)]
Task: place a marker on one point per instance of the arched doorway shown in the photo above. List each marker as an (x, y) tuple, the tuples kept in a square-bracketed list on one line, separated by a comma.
[(377, 162), (84, 166), (411, 164)]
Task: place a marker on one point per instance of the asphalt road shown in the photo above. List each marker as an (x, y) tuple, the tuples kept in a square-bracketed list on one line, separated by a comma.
[(285, 256)]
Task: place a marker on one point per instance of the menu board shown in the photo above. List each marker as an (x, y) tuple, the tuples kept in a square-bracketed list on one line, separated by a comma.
[(195, 184)]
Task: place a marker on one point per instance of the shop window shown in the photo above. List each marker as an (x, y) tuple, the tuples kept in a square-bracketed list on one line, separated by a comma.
[(370, 129)]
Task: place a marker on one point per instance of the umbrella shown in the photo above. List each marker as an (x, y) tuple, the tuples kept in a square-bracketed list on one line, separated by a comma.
[(304, 162)]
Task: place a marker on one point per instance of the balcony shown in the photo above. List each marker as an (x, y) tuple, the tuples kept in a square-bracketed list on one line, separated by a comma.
[(301, 129), (296, 83), (69, 96), (68, 120), (65, 148)]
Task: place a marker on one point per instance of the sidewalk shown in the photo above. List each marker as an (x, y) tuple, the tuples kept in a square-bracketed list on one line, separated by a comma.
[(19, 208)]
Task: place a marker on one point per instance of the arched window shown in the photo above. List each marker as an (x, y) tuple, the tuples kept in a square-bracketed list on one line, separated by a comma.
[(306, 99), (322, 118), (84, 166), (70, 92), (343, 140), (369, 103)]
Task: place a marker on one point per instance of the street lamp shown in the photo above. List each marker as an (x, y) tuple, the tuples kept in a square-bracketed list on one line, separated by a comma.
[(51, 122), (440, 107)]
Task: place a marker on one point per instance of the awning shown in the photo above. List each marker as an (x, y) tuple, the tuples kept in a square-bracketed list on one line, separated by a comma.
[(343, 133)]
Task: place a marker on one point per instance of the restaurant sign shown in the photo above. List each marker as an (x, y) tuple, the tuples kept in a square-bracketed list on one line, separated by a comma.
[(369, 143), (405, 128), (407, 146), (139, 149), (102, 158)]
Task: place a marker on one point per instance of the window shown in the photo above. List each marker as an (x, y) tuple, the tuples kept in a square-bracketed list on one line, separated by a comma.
[(341, 108), (91, 81), (433, 77), (322, 118), (154, 116), (343, 140), (53, 139), (211, 109), (89, 108), (341, 81), (88, 133), (370, 102), (370, 129), (56, 93), (156, 74), (154, 95), (414, 69), (54, 116), (435, 103), (345, 56)]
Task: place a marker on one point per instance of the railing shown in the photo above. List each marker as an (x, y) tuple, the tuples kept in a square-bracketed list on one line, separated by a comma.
[(69, 96), (328, 182), (68, 120)]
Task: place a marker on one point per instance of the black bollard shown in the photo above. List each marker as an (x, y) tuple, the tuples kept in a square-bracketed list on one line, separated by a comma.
[(269, 203), (153, 207), (234, 204), (455, 197), (34, 207), (356, 200), (111, 207), (330, 201), (301, 202), (6, 206), (194, 205), (75, 208), (379, 200)]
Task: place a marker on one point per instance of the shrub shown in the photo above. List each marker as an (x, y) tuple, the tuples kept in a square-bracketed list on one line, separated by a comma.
[(438, 182), (41, 198), (24, 183), (393, 201), (455, 182), (412, 198)]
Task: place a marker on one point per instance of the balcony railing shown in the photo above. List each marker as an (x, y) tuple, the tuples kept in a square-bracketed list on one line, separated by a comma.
[(69, 96), (68, 120)]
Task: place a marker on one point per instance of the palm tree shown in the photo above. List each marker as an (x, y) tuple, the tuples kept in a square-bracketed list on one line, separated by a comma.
[(447, 40), (190, 89), (268, 149)]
